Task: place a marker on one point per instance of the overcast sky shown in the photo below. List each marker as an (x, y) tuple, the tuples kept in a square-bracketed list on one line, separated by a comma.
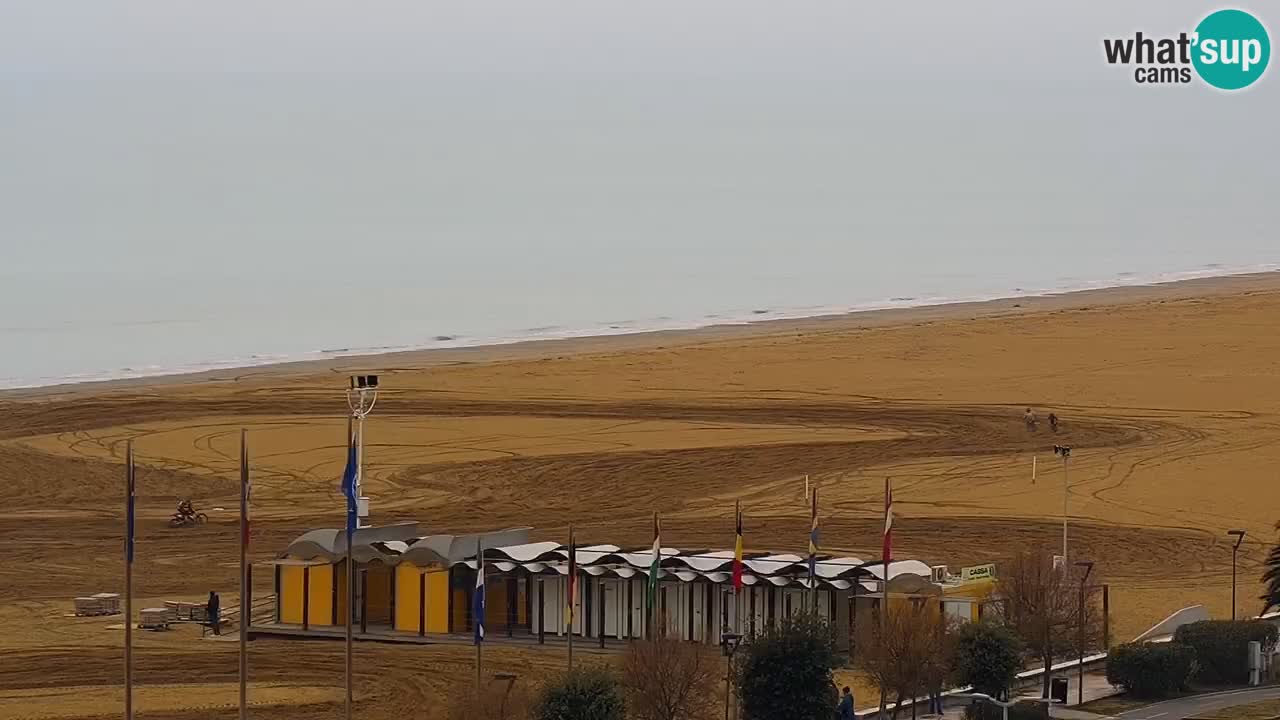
[(167, 134)]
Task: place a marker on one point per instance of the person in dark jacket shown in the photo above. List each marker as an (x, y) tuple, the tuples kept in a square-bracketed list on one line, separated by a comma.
[(846, 705), (213, 609)]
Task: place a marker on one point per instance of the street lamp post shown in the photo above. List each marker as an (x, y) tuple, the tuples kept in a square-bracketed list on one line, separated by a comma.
[(1088, 568), (362, 395), (728, 646), (1065, 452), (1239, 536), (511, 681)]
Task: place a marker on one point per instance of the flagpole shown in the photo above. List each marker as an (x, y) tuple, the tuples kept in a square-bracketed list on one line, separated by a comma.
[(129, 491), (479, 613), (246, 602), (737, 542), (350, 585), (886, 557), (571, 587), (813, 551)]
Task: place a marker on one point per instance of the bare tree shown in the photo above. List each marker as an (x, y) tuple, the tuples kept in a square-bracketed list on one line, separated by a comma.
[(912, 653), (667, 679), (1041, 603)]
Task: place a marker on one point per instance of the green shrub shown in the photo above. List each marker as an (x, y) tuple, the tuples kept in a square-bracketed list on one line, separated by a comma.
[(1150, 670), (590, 693), (987, 656), (1222, 647), (784, 673)]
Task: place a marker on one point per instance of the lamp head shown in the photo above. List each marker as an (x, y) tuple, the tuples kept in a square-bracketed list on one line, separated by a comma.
[(729, 642)]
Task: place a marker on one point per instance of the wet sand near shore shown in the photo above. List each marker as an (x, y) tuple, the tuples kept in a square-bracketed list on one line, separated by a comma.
[(1168, 394)]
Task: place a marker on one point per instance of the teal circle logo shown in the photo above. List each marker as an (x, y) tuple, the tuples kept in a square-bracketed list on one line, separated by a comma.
[(1231, 49)]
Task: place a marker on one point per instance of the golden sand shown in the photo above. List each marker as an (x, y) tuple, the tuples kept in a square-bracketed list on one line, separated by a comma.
[(1169, 396)]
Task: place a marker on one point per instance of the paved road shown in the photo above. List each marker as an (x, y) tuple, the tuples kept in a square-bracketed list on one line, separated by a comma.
[(1190, 707)]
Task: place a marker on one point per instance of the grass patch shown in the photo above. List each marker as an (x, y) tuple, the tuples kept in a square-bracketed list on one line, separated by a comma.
[(1264, 710), (1116, 704)]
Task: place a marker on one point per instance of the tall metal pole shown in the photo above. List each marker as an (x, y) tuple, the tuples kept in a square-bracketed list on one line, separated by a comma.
[(571, 586), (129, 490), (1065, 452), (1233, 581), (1088, 568), (1239, 536), (478, 621), (1065, 497), (246, 602), (728, 674), (362, 395), (351, 595)]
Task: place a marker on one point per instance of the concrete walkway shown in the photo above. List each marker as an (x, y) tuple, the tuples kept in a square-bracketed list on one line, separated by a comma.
[(1190, 707)]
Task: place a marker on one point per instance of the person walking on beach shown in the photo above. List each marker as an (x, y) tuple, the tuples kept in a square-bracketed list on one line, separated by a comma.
[(213, 608), (1053, 422), (846, 705), (1029, 418)]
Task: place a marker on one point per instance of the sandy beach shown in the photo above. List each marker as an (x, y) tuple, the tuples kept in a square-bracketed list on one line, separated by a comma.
[(1169, 395)]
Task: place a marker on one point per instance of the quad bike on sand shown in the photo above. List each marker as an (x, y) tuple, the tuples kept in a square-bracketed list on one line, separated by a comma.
[(186, 516)]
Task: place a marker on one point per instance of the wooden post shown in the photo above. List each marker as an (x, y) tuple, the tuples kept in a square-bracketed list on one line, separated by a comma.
[(1106, 618), (601, 603), (631, 609), (422, 605), (364, 601), (306, 597), (542, 615)]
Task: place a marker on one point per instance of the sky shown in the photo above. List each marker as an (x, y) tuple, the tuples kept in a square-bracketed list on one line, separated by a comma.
[(699, 152)]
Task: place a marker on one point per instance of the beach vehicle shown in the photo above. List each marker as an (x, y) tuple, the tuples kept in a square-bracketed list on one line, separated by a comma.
[(186, 516)]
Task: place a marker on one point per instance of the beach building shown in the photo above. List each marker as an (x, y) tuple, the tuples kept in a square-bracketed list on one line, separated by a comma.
[(415, 586)]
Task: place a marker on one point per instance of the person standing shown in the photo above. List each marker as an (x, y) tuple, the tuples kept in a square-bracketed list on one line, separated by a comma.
[(212, 610), (846, 705)]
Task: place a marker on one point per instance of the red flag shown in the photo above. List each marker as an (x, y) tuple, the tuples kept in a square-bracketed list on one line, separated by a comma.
[(888, 526), (737, 550)]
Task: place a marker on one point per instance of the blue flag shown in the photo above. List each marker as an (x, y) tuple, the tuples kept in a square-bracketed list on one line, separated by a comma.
[(477, 599), (349, 483)]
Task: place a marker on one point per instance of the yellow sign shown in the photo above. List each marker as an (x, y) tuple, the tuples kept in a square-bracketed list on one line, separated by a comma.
[(978, 572)]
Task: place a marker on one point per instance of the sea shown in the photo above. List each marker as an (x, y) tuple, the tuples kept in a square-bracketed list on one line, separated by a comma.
[(181, 193), (89, 327)]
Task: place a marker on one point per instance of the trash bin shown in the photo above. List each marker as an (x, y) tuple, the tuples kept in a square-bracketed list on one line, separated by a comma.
[(1058, 689)]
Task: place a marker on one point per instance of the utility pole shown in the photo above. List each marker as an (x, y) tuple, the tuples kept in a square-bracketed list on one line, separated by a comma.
[(1239, 536), (362, 395), (1088, 568), (1065, 452)]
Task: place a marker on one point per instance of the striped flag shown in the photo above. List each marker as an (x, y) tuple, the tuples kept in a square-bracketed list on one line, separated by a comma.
[(477, 598), (887, 550), (737, 549), (655, 564), (132, 479), (813, 539), (573, 574)]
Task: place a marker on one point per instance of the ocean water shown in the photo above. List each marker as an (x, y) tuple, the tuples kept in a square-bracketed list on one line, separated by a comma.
[(181, 190), (130, 326)]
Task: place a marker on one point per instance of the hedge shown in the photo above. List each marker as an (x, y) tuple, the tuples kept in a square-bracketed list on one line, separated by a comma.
[(1222, 647), (1150, 670)]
